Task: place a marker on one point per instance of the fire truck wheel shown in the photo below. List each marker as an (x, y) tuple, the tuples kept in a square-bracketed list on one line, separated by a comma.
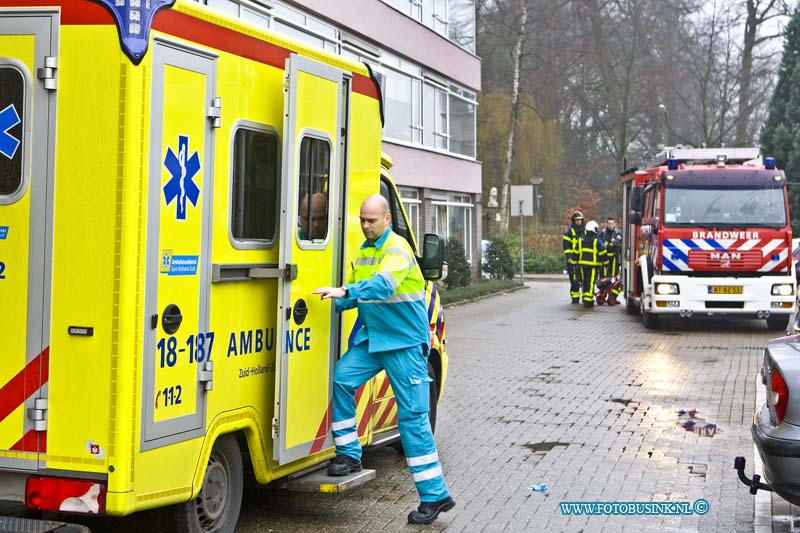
[(650, 320), (434, 400), (778, 323), (630, 306), (216, 508)]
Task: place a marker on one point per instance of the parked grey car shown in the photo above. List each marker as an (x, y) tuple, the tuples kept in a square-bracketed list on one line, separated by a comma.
[(776, 424)]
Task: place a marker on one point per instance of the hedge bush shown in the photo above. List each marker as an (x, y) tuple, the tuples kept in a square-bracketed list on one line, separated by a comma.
[(477, 289)]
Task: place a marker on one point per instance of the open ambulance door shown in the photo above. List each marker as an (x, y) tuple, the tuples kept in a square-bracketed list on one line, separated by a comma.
[(28, 85), (312, 206)]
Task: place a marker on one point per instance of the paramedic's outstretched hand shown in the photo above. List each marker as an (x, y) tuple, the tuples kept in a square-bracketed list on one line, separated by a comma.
[(330, 292)]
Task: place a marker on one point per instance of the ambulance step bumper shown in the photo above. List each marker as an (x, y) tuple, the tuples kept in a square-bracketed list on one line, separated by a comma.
[(319, 481), (31, 525)]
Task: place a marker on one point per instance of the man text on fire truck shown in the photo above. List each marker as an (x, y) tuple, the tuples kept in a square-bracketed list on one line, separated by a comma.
[(591, 259), (387, 286), (570, 243), (612, 240)]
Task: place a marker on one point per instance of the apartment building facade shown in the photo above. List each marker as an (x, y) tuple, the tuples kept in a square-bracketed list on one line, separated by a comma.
[(423, 52)]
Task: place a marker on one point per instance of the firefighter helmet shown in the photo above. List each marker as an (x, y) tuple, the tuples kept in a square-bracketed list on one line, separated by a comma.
[(591, 226), (577, 215)]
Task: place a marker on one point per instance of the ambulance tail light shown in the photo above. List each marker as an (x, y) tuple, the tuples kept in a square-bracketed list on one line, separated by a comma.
[(65, 495)]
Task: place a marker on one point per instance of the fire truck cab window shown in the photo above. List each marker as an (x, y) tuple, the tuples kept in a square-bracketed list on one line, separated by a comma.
[(312, 206), (254, 195)]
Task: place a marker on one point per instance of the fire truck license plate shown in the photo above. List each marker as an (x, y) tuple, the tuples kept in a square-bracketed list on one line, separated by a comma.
[(724, 289)]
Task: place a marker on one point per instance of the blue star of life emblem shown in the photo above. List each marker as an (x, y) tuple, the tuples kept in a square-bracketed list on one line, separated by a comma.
[(165, 260), (8, 143), (183, 169)]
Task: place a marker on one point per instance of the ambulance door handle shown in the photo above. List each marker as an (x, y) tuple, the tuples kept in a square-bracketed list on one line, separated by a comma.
[(171, 319), (154, 321)]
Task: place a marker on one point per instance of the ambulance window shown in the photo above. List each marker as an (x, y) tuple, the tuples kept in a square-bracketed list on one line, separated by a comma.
[(254, 198), (12, 88), (312, 206)]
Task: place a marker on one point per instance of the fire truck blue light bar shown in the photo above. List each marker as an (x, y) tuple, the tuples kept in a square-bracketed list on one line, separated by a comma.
[(134, 19)]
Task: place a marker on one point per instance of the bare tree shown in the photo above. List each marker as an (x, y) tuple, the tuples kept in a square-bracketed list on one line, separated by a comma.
[(506, 180), (758, 13)]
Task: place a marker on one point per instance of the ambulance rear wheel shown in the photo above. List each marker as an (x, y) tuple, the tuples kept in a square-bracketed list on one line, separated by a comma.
[(216, 508)]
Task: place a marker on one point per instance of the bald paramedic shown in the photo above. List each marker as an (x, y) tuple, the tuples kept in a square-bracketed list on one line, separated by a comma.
[(387, 287)]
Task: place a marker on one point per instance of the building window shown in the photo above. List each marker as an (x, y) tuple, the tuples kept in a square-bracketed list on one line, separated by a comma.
[(411, 202), (462, 126), (312, 205), (399, 104), (453, 19), (254, 194), (434, 113), (461, 18), (452, 219)]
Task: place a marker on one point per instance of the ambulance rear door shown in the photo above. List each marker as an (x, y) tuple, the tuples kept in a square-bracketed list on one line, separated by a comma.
[(312, 207), (28, 87)]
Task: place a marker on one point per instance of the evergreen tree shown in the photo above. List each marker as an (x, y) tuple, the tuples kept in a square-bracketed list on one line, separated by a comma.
[(458, 269), (780, 136)]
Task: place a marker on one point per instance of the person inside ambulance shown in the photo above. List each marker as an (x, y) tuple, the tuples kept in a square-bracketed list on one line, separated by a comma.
[(318, 228), (387, 287)]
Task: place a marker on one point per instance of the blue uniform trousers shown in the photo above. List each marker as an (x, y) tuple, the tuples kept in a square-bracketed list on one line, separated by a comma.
[(407, 369)]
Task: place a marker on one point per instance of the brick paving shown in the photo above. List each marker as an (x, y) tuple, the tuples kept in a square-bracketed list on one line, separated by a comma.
[(608, 392), (584, 400)]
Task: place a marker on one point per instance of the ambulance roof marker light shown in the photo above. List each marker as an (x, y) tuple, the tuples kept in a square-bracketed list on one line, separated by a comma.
[(672, 163), (721, 159), (134, 18), (769, 163)]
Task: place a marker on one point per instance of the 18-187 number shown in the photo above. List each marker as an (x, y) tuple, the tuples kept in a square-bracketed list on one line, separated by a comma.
[(199, 346)]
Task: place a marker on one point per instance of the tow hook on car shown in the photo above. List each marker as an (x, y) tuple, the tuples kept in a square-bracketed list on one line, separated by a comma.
[(755, 483)]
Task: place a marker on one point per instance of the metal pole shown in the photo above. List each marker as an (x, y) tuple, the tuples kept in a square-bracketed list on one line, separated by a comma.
[(521, 258)]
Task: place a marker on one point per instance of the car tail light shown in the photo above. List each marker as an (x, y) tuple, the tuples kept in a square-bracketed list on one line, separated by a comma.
[(67, 495), (779, 395)]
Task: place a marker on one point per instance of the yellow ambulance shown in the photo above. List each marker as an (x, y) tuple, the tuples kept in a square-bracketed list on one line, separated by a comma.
[(173, 185)]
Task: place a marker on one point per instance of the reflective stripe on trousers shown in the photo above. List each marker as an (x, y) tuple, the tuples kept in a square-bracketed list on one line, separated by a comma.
[(589, 273), (408, 373)]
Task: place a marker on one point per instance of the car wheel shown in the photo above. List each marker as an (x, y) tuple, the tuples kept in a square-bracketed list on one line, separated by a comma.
[(216, 508)]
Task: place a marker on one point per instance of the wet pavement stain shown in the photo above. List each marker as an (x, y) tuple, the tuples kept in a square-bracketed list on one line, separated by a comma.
[(544, 447), (620, 400)]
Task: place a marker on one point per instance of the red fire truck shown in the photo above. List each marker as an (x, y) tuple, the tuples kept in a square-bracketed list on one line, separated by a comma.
[(707, 234)]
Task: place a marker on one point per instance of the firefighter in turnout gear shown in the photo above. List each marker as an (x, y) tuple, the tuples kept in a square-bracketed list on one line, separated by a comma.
[(387, 287), (591, 258), (612, 240), (571, 237)]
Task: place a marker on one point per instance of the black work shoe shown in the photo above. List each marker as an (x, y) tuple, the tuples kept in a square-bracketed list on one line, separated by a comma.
[(343, 465), (574, 300), (427, 512), (588, 304)]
